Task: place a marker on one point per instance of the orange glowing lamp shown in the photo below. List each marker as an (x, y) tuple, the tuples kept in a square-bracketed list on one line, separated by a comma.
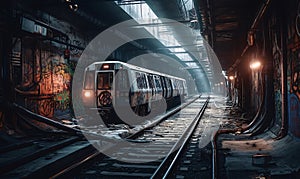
[(255, 65)]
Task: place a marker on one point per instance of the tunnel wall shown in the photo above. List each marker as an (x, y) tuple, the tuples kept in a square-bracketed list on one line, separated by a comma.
[(277, 46), (46, 78), (293, 62), (42, 65)]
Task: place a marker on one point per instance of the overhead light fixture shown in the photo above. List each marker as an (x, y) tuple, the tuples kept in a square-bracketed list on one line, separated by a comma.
[(231, 77), (73, 7), (255, 65)]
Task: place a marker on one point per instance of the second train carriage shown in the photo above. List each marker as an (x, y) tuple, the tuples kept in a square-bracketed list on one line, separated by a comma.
[(113, 84)]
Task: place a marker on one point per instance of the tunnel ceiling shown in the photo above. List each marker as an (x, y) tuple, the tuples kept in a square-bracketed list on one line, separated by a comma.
[(167, 9), (226, 24), (94, 16), (91, 17)]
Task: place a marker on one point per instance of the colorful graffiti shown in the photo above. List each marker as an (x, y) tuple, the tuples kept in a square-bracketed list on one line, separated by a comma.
[(293, 39), (294, 98), (62, 101), (53, 76), (41, 105), (56, 80)]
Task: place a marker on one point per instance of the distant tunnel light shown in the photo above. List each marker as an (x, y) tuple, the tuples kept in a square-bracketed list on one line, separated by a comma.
[(255, 65), (231, 77)]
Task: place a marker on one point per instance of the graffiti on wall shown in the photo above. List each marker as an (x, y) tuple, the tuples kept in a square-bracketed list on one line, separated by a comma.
[(27, 68), (52, 74), (277, 83), (294, 97), (294, 73), (56, 80), (40, 105), (29, 81)]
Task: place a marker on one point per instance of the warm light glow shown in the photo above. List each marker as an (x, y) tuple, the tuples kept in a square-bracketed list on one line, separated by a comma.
[(105, 66), (73, 7), (255, 65), (87, 94), (231, 77)]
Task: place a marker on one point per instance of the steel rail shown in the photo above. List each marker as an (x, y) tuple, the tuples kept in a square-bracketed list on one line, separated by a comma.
[(96, 154), (168, 164), (11, 165)]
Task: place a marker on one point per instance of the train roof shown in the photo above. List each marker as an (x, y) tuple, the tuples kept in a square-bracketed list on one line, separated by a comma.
[(134, 67)]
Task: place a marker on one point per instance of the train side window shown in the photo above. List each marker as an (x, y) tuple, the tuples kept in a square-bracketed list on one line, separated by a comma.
[(178, 85), (162, 80), (171, 84), (89, 80), (168, 84), (174, 82), (181, 84), (145, 86), (104, 80), (150, 80), (157, 82), (139, 80)]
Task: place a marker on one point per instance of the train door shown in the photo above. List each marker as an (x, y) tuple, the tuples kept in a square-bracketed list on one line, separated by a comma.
[(122, 87), (105, 88), (158, 87), (148, 88), (169, 87), (139, 92), (147, 95), (163, 85), (151, 85)]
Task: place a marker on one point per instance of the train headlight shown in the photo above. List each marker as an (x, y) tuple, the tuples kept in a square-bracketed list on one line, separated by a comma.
[(87, 93)]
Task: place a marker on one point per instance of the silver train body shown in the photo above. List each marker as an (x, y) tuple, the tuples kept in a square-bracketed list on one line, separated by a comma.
[(109, 85)]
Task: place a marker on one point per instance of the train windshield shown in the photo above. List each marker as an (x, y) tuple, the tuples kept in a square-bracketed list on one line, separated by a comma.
[(89, 80), (104, 80)]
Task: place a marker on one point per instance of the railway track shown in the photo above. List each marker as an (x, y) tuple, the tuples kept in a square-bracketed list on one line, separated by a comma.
[(153, 152), (43, 158)]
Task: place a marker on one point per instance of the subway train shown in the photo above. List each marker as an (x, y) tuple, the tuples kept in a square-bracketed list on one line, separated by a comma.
[(114, 86)]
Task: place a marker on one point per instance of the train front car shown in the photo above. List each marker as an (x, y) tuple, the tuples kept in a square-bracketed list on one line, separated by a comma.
[(98, 90), (121, 91), (104, 89)]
